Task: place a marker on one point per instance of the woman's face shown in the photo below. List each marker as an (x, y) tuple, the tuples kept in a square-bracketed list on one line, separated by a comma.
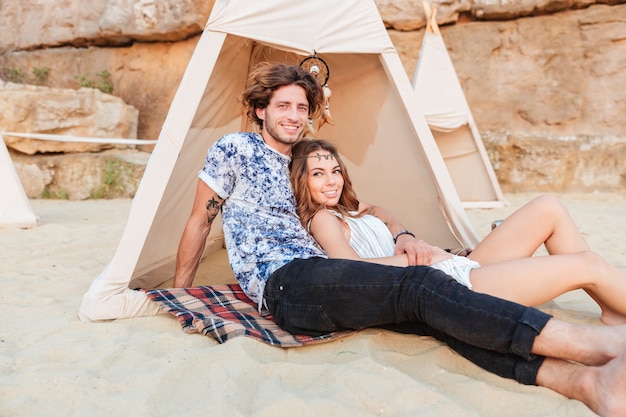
[(324, 178)]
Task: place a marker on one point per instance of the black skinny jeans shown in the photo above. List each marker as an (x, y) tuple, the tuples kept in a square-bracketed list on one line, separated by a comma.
[(317, 296)]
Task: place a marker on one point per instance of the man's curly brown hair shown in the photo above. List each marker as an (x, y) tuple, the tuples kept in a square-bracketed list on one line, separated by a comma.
[(266, 78)]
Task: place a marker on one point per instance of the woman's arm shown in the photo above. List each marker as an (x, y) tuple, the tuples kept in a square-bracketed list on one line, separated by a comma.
[(333, 236), (417, 251)]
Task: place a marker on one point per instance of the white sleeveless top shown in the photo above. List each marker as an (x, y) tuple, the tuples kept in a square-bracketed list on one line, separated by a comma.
[(369, 237)]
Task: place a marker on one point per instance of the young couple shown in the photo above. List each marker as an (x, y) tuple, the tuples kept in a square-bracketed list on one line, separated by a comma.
[(501, 265), (279, 264)]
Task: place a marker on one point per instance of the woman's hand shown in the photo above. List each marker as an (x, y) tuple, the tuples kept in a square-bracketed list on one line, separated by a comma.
[(439, 255)]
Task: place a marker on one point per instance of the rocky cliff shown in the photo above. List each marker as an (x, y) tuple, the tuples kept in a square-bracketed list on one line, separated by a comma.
[(546, 80)]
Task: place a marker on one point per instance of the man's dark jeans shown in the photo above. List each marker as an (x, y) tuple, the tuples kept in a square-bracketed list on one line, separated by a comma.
[(316, 296)]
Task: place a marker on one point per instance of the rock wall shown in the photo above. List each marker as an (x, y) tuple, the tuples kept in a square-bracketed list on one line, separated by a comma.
[(85, 112), (78, 176), (535, 73), (144, 75), (562, 73)]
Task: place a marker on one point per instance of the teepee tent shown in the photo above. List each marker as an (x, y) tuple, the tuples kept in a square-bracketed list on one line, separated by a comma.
[(387, 145), (15, 209), (443, 104)]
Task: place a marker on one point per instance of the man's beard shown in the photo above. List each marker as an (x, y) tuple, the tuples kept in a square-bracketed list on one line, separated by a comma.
[(269, 128)]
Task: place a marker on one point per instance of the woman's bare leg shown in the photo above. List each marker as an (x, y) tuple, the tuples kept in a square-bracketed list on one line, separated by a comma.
[(544, 220), (536, 280)]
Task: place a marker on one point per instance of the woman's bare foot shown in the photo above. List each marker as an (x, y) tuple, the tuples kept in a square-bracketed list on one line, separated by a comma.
[(611, 318)]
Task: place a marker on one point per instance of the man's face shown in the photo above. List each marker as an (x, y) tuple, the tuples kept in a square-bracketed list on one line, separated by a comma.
[(284, 118)]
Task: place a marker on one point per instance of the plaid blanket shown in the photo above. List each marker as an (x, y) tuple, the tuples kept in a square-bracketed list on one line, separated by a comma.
[(223, 312)]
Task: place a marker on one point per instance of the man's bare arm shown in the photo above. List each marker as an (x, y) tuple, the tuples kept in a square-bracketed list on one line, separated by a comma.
[(206, 206)]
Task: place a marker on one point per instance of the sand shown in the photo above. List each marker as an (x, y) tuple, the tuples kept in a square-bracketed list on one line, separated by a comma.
[(51, 364)]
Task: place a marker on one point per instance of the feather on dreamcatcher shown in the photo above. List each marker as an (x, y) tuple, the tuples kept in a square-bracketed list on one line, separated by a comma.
[(319, 69)]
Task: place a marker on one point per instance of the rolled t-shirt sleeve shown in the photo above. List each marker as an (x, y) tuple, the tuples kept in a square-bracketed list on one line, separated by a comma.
[(219, 172)]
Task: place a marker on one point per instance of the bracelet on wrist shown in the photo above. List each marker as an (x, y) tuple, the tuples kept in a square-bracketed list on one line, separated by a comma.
[(400, 233)]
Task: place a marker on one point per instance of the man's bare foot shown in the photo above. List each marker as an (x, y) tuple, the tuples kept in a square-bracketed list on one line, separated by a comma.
[(609, 389), (598, 345)]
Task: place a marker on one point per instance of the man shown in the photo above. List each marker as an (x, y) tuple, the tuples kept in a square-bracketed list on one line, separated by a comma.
[(279, 265)]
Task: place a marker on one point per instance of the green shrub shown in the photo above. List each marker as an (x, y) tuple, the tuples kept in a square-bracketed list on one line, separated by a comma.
[(14, 75), (37, 76), (40, 75), (102, 81), (54, 195), (115, 174)]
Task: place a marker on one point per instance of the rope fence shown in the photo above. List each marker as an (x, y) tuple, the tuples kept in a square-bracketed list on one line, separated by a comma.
[(66, 138)]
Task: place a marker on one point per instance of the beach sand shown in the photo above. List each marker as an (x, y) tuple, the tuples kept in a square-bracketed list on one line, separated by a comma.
[(51, 364)]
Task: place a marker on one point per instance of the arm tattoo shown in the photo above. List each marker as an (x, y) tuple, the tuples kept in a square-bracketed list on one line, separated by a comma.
[(212, 209)]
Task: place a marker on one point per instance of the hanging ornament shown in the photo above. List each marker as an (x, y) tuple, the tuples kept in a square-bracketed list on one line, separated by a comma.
[(319, 69)]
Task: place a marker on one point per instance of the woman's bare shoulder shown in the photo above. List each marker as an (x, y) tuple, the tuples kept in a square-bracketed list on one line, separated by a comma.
[(324, 216), (324, 221)]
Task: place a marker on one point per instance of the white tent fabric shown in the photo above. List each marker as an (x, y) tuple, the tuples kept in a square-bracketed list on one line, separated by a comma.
[(386, 143), (442, 102), (15, 208)]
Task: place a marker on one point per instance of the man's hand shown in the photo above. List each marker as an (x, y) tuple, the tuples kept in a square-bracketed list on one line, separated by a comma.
[(418, 251)]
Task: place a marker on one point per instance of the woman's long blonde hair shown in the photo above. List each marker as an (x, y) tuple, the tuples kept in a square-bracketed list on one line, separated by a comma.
[(298, 173)]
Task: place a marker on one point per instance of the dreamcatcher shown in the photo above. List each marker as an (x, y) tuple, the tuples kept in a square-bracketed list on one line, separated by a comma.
[(319, 69)]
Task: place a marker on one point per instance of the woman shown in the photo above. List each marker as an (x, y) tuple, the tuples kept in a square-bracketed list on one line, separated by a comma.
[(501, 265)]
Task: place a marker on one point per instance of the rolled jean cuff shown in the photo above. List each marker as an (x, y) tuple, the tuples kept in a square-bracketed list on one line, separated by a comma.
[(530, 324), (526, 372)]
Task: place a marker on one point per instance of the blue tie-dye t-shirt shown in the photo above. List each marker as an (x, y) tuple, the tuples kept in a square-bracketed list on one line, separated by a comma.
[(261, 228)]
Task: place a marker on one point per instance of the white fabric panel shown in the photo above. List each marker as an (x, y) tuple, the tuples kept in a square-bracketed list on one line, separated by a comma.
[(304, 26), (442, 102), (441, 96), (15, 208)]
